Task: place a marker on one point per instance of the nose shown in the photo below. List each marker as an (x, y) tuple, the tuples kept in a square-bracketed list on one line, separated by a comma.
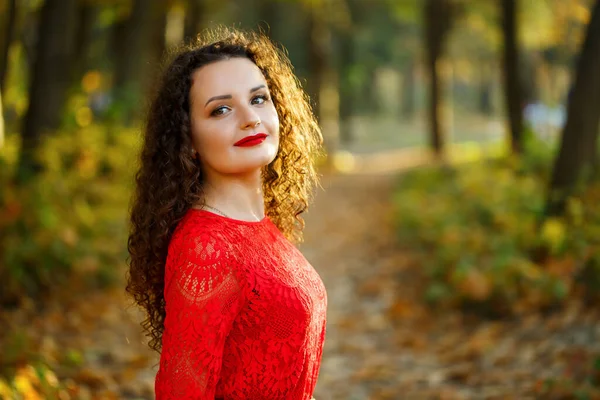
[(250, 120)]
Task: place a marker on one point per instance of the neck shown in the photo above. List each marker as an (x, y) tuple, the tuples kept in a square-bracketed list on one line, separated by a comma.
[(237, 196)]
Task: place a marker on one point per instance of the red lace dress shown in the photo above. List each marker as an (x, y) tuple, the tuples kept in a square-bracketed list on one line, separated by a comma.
[(245, 313)]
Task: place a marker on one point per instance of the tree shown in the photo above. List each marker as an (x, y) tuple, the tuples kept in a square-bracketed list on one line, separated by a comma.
[(323, 19), (10, 20), (8, 38), (406, 21), (513, 98), (437, 15), (273, 18), (133, 47), (50, 80), (484, 101), (577, 156), (1, 123), (409, 88), (347, 101), (194, 14), (322, 85), (88, 13)]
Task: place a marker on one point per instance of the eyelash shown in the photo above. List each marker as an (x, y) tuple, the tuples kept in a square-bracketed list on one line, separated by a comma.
[(264, 97)]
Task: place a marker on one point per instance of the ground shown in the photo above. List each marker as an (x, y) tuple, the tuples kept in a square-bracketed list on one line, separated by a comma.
[(382, 341)]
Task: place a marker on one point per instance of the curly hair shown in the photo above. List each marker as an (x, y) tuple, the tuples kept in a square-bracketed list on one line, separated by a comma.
[(169, 180)]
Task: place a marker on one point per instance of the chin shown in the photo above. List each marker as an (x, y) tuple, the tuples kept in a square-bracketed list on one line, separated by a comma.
[(255, 164), (264, 156), (271, 154), (264, 161), (249, 161)]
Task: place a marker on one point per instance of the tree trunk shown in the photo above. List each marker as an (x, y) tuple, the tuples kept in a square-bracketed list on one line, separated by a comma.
[(513, 98), (322, 81), (346, 85), (88, 13), (318, 36), (408, 90), (27, 31), (529, 65), (486, 84), (193, 19), (437, 136), (274, 14), (371, 104), (578, 149), (50, 80), (437, 24), (9, 20), (132, 43), (1, 123), (158, 48)]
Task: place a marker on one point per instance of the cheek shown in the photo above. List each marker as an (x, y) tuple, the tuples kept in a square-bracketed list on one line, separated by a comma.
[(205, 134), (210, 142), (273, 122)]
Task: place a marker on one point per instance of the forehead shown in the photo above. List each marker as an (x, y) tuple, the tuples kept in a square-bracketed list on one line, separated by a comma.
[(232, 76)]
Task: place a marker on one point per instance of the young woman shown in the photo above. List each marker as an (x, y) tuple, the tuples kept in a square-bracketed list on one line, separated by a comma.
[(226, 170)]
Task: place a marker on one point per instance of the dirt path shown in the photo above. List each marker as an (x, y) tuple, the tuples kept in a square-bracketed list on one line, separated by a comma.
[(349, 241)]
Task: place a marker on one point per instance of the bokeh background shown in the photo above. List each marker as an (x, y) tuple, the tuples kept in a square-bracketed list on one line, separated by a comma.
[(457, 230)]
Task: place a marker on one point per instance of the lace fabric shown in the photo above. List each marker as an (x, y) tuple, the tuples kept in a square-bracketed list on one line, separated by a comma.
[(245, 313)]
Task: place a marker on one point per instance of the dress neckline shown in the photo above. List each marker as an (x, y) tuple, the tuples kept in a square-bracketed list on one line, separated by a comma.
[(232, 220)]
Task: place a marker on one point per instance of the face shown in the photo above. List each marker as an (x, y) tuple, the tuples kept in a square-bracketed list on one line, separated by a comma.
[(235, 128)]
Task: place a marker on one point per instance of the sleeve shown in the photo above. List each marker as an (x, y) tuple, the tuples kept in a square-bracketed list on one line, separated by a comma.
[(202, 298)]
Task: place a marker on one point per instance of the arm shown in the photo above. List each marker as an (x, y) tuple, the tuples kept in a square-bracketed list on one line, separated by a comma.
[(203, 296)]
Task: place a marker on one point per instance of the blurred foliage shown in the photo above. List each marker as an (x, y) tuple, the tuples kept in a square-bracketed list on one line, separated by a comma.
[(33, 382), (25, 373), (483, 238), (31, 369), (67, 227), (72, 217)]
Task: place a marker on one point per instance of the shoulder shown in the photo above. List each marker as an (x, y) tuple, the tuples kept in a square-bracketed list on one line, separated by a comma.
[(201, 238), (199, 253)]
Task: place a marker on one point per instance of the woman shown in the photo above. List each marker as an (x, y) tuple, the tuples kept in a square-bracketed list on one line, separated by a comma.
[(226, 170)]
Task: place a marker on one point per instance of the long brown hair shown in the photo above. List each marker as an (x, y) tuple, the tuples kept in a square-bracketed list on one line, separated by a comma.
[(169, 180)]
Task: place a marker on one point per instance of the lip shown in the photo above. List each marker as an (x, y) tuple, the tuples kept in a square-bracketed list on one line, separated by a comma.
[(251, 140)]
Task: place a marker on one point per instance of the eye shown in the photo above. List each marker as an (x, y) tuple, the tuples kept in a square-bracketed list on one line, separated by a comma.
[(219, 111), (260, 99)]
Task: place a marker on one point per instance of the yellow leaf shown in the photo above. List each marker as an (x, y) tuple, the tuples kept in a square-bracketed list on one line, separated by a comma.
[(51, 378), (581, 13), (5, 391), (23, 385), (84, 116), (91, 81), (553, 232)]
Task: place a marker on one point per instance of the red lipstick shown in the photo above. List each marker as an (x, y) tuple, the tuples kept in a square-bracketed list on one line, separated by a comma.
[(251, 140)]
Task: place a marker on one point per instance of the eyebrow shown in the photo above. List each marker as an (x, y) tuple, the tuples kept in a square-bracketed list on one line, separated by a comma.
[(228, 96)]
